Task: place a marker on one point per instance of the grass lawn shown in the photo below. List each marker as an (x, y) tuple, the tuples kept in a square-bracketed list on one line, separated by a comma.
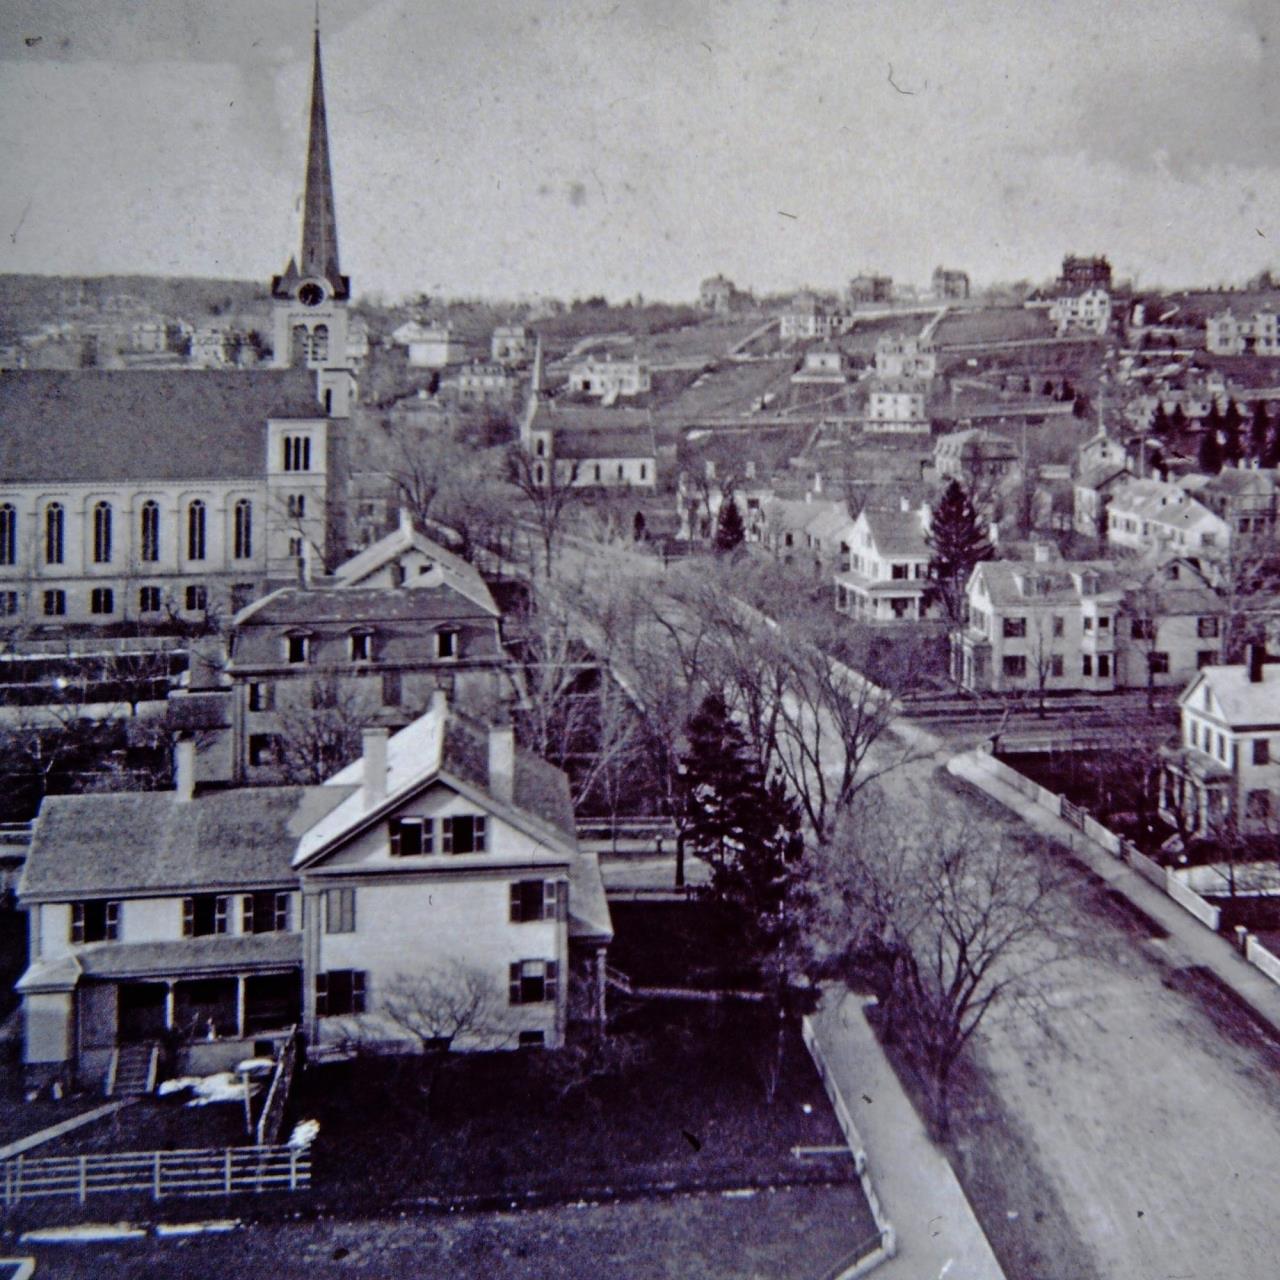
[(796, 1234), (688, 1110)]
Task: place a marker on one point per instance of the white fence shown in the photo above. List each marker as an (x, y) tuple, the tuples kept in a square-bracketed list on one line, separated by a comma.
[(231, 1171), (888, 1245), (1164, 878), (1258, 955)]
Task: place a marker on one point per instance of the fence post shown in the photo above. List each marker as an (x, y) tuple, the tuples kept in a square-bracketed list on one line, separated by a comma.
[(155, 1175), (227, 1169), (84, 1176), (293, 1168)]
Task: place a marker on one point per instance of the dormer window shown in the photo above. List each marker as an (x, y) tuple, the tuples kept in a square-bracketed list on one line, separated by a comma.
[(361, 646), (447, 644), (465, 833), (297, 647), (410, 837)]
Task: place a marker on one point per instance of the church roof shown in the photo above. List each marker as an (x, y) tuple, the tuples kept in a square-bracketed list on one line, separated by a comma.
[(109, 426)]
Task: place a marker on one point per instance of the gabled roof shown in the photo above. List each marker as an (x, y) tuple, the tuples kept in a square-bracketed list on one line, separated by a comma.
[(1008, 582), (1235, 699), (796, 513), (110, 426), (352, 606), (830, 522), (458, 573), (138, 842), (896, 533), (583, 444)]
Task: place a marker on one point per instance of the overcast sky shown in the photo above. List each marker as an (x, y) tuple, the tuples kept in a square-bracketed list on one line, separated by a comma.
[(566, 147)]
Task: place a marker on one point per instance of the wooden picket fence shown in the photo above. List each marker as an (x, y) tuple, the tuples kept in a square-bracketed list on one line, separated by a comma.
[(212, 1172)]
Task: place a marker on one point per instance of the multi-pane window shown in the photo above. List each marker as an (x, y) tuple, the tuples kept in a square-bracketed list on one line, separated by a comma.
[(265, 912), (1014, 628), (261, 696), (1205, 658), (1086, 665), (8, 534), (391, 689), (410, 837), (262, 749), (295, 547), (1262, 751), (296, 506), (8, 603), (55, 603), (197, 598), (340, 992), (1257, 804), (54, 531), (447, 644), (195, 530), (149, 531), (297, 453), (243, 531), (204, 914), (296, 648), (533, 981), (149, 600), (536, 900), (463, 833), (1143, 629), (361, 646), (1207, 628), (1157, 663), (102, 600), (1015, 664), (95, 921), (1104, 665), (340, 911), (102, 533), (1059, 625), (1056, 666)]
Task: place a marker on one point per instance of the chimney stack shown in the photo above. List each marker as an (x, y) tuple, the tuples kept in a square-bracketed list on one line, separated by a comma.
[(406, 521), (184, 769), (1255, 656), (502, 762), (374, 752)]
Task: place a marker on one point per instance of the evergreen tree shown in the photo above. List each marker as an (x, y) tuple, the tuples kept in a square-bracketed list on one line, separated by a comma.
[(1160, 424), (1178, 423), (745, 826), (957, 541), (1231, 447), (1271, 454), (1259, 432), (730, 531), (1210, 451)]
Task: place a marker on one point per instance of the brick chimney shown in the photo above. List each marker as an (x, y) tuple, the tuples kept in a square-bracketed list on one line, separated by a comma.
[(502, 762), (1255, 657), (374, 754), (184, 769)]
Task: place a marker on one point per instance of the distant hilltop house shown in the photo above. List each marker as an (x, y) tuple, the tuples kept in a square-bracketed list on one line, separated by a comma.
[(609, 378), (807, 317), (1080, 274), (1040, 625), (902, 356), (1227, 334), (897, 405), (429, 346), (209, 347), (951, 284), (213, 920), (823, 366), (864, 289), (975, 457), (720, 296), (1082, 311), (511, 344), (480, 383)]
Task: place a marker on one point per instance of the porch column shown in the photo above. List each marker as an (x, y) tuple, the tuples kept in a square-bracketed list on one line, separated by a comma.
[(240, 1006), (601, 985), (168, 1004)]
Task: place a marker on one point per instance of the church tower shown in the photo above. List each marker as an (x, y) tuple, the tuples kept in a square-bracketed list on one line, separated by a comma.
[(311, 297)]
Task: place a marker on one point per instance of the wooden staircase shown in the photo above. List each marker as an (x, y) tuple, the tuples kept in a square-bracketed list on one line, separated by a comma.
[(133, 1071)]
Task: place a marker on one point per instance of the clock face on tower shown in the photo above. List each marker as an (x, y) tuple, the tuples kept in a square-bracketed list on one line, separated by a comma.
[(310, 294)]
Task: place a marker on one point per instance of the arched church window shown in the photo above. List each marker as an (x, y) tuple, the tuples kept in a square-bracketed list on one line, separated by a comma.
[(195, 530), (102, 533), (54, 529), (150, 530), (320, 342), (8, 534), (244, 529), (299, 345)]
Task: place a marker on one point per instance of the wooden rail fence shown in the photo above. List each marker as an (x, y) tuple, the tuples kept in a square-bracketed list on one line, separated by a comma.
[(211, 1172)]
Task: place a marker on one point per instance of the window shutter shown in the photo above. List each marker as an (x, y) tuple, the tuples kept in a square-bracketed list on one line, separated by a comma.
[(113, 921), (246, 916), (516, 915), (393, 829), (479, 845), (357, 990), (188, 917), (322, 994), (281, 921), (77, 922), (220, 913), (552, 980), (550, 899), (562, 901), (514, 983), (446, 835)]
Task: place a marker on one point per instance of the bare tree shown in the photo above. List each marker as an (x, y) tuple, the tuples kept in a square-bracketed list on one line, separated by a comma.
[(317, 740), (548, 493), (438, 1007), (945, 920)]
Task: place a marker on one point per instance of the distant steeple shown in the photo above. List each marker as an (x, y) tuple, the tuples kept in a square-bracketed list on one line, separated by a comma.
[(318, 258)]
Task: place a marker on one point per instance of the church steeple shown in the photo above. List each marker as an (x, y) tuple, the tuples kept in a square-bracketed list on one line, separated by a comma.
[(319, 255)]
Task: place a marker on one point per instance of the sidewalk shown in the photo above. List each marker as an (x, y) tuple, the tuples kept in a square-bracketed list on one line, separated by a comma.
[(19, 1145), (1191, 941), (938, 1236)]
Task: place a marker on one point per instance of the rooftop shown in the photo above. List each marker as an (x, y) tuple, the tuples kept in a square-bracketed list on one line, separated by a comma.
[(1235, 699)]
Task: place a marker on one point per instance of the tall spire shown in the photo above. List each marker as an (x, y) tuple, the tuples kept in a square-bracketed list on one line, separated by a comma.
[(319, 256)]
